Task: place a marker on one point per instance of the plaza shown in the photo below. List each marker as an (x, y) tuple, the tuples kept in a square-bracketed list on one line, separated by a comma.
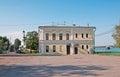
[(60, 66)]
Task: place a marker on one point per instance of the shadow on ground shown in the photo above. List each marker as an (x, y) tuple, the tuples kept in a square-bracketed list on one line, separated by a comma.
[(49, 71)]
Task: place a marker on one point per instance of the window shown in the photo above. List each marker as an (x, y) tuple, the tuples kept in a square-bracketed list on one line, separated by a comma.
[(82, 46), (86, 35), (53, 36), (86, 46), (60, 36), (67, 36), (76, 35), (82, 35), (47, 36), (54, 48), (47, 48)]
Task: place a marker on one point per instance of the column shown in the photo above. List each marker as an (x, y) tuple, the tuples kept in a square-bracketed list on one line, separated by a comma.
[(72, 49), (42, 41), (72, 44)]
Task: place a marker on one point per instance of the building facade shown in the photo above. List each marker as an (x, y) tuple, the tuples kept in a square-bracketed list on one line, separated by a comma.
[(66, 40)]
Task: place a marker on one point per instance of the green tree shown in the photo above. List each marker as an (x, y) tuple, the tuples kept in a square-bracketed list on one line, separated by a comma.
[(116, 35), (4, 44), (17, 43), (32, 40)]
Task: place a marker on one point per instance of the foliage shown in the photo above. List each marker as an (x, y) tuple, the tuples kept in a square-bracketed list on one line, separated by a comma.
[(116, 35), (17, 43), (32, 40), (4, 44)]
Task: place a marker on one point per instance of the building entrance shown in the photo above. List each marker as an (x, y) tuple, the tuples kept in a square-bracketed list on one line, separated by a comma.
[(76, 50), (68, 49)]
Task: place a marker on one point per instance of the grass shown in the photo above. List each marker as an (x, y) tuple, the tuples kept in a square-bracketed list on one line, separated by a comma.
[(108, 53)]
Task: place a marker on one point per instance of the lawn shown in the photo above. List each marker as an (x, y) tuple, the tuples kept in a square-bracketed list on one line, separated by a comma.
[(108, 53)]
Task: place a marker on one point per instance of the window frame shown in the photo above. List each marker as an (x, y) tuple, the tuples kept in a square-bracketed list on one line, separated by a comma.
[(47, 48), (76, 35), (53, 36), (82, 35), (47, 36), (87, 35), (87, 47), (54, 48), (60, 36), (82, 46), (67, 36)]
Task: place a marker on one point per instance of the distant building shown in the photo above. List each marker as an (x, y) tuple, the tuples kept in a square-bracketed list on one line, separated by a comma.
[(66, 40)]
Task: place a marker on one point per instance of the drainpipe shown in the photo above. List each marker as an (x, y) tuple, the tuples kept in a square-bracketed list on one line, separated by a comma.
[(94, 39), (43, 42)]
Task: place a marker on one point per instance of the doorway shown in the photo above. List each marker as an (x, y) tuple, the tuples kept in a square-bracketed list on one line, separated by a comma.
[(68, 49), (76, 50)]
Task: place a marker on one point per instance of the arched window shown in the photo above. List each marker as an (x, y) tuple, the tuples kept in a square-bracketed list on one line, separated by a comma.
[(86, 46), (82, 46), (60, 36), (76, 35), (47, 48), (54, 48), (47, 36), (82, 35), (53, 36), (86, 35), (67, 36)]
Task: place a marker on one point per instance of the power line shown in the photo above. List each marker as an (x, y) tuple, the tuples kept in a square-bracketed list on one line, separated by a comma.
[(105, 33)]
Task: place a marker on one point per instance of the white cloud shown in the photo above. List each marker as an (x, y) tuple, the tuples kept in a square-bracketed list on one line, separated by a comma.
[(12, 35)]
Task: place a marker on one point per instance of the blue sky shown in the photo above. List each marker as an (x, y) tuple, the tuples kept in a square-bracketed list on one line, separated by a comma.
[(18, 15)]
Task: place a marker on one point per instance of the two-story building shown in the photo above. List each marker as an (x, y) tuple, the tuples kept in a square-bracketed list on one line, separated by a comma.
[(66, 40)]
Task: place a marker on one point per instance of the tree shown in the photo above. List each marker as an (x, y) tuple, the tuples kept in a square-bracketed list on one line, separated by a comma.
[(17, 43), (32, 40), (4, 44), (116, 35)]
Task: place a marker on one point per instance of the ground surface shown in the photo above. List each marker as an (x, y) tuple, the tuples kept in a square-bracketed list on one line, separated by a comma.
[(60, 66)]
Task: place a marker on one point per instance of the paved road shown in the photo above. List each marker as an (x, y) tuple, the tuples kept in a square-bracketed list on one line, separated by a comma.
[(60, 66)]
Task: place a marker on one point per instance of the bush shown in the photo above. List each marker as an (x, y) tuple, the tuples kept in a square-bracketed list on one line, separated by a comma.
[(29, 51)]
